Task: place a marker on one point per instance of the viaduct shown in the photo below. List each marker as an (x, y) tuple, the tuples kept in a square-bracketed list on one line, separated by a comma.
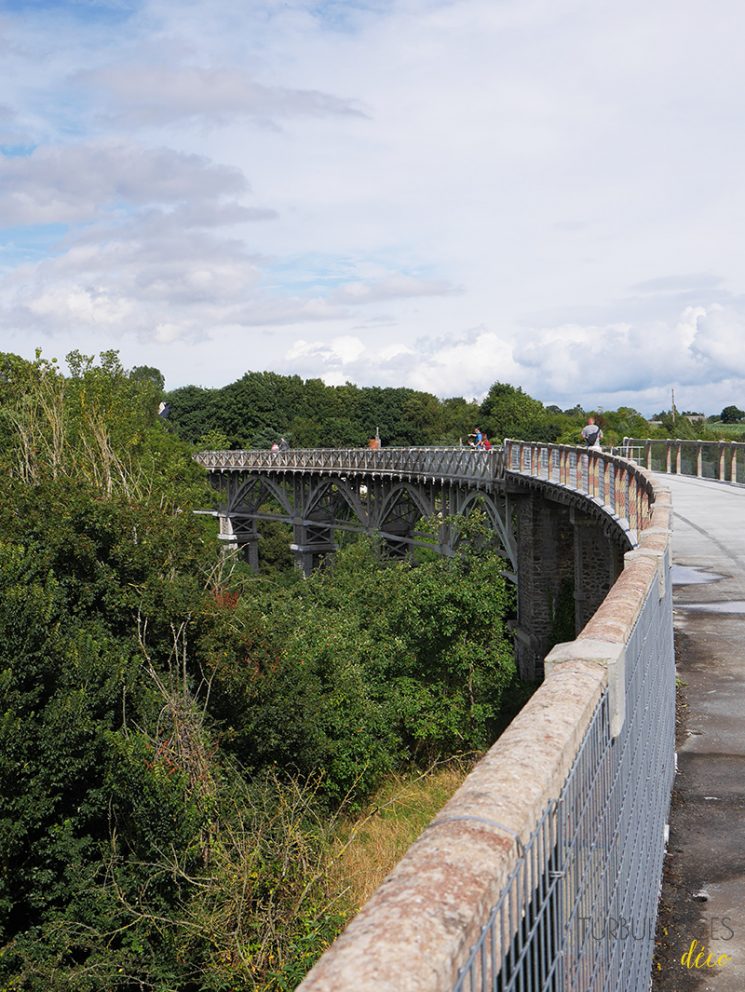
[(556, 540), (532, 874)]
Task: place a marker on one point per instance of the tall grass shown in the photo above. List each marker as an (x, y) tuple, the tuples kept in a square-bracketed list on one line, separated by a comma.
[(367, 847)]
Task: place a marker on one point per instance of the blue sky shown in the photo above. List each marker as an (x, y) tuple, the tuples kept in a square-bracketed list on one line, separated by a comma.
[(437, 193)]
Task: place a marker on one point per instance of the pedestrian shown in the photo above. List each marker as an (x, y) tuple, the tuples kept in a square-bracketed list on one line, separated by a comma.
[(478, 438), (486, 443), (591, 434), (283, 444), (275, 446)]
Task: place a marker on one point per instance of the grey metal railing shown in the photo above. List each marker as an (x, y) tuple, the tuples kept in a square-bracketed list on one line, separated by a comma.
[(721, 460), (444, 464), (579, 910)]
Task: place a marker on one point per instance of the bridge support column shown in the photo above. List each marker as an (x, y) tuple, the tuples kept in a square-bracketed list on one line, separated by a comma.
[(250, 550), (243, 538), (597, 565), (312, 544), (544, 570), (226, 535)]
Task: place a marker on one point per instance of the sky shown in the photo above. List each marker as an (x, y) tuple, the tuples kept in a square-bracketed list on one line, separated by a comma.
[(431, 193)]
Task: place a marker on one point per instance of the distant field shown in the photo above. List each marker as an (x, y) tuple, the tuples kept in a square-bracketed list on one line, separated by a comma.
[(728, 430)]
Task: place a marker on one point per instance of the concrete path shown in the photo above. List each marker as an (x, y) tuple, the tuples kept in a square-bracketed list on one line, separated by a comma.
[(704, 892)]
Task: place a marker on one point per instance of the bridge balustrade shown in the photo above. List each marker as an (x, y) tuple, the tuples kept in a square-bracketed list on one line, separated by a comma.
[(720, 460), (618, 485), (446, 464), (543, 871)]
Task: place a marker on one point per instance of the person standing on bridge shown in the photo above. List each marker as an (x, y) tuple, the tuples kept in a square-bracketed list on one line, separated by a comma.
[(478, 438), (591, 434)]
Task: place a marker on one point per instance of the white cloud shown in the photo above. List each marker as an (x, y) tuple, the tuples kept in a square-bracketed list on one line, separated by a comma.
[(718, 342), (609, 365), (77, 304), (340, 351), (543, 193)]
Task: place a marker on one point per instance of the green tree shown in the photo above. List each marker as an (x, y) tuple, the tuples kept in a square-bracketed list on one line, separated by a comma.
[(509, 412), (731, 415), (176, 734)]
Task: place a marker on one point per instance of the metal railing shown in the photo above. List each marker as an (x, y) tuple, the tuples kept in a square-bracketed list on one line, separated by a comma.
[(621, 487), (580, 907), (721, 460), (443, 464)]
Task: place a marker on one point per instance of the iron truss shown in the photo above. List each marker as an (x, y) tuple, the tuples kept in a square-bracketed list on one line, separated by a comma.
[(406, 496)]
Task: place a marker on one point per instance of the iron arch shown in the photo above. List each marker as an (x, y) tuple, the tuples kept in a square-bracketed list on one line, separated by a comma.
[(499, 523)]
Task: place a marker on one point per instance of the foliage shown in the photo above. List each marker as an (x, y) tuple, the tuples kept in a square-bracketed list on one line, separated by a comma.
[(260, 407), (178, 736), (732, 414), (365, 667), (509, 412)]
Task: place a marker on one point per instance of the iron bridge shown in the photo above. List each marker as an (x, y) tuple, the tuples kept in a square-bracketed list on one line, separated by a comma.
[(406, 496)]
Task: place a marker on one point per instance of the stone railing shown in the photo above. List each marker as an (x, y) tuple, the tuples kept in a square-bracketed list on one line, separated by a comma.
[(420, 464), (559, 830), (722, 460), (619, 486)]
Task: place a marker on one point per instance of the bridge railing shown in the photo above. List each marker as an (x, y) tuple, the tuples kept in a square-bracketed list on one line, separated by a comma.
[(620, 486), (722, 460), (446, 464), (543, 870)]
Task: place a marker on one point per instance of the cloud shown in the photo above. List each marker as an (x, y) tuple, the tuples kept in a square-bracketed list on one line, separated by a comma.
[(613, 364), (74, 182), (718, 342), (455, 184), (692, 282), (157, 95), (12, 133), (440, 366), (394, 287), (339, 351)]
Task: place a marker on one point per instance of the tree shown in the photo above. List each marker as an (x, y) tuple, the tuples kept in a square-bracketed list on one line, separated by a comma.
[(731, 415), (174, 731), (509, 412), (148, 373)]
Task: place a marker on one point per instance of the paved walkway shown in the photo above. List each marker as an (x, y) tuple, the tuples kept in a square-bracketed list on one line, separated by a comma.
[(704, 892)]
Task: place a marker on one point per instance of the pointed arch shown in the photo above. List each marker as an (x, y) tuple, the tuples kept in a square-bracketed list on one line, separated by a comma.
[(406, 493), (499, 523), (258, 490), (338, 495)]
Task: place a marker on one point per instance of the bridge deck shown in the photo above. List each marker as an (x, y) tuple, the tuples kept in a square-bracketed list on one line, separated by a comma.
[(707, 838)]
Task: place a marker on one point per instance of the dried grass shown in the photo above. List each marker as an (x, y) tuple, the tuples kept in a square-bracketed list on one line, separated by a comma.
[(370, 846)]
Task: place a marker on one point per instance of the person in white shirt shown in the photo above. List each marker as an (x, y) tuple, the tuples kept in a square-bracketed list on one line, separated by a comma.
[(591, 434)]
